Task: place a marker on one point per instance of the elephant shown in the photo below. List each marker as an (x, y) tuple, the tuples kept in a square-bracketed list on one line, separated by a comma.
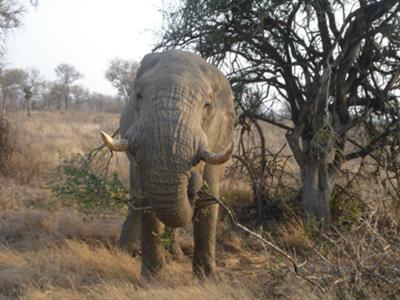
[(177, 130)]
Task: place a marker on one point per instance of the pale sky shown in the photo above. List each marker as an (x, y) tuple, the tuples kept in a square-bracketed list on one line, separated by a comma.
[(86, 34)]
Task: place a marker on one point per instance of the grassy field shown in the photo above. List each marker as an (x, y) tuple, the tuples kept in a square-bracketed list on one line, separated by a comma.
[(50, 250)]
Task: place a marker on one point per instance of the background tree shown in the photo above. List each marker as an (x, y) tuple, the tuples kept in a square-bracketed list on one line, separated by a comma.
[(53, 95), (67, 75), (11, 13), (104, 103), (122, 73), (32, 88), (79, 94), (335, 64), (28, 99), (12, 83)]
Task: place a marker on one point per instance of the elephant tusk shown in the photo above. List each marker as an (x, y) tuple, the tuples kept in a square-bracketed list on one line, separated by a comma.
[(115, 145), (215, 158)]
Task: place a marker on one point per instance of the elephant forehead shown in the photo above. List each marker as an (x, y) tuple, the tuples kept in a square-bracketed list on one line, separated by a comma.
[(178, 84)]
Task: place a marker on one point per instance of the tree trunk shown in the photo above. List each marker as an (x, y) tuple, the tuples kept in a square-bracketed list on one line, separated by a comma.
[(66, 98), (28, 107), (314, 155), (59, 103), (316, 190), (4, 107)]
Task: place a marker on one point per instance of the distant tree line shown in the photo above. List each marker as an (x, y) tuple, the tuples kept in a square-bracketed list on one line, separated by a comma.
[(27, 89)]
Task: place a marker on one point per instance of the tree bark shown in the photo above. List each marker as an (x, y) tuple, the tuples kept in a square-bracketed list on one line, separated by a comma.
[(316, 190), (316, 177)]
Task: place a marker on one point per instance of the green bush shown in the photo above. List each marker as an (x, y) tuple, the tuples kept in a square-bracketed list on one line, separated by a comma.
[(86, 182)]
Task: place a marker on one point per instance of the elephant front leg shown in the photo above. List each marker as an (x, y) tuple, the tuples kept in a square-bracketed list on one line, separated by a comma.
[(151, 246), (204, 227), (129, 238)]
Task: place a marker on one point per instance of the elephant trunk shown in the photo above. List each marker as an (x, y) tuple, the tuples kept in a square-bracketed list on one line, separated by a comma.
[(168, 195)]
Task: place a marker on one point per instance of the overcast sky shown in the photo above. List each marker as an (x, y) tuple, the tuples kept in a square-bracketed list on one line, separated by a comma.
[(86, 34)]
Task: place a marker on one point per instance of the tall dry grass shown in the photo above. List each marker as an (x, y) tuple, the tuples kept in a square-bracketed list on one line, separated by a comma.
[(44, 140)]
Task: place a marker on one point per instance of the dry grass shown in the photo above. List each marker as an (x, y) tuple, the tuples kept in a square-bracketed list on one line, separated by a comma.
[(47, 138), (68, 265), (236, 193), (121, 291), (50, 251)]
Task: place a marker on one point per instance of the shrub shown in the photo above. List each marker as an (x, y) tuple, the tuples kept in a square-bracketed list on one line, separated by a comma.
[(85, 181)]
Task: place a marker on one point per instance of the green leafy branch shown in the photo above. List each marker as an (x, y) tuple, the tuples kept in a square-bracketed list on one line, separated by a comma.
[(89, 189)]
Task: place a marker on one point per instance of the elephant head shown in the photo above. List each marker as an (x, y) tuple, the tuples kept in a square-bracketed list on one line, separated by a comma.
[(182, 115)]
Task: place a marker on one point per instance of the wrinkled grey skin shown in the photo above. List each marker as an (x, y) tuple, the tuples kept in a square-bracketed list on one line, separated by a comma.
[(180, 102)]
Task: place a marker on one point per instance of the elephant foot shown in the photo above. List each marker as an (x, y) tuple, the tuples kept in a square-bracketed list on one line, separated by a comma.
[(203, 268), (129, 238), (150, 270), (129, 247)]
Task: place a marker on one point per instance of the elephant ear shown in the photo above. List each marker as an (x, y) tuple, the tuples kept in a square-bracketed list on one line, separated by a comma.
[(222, 125)]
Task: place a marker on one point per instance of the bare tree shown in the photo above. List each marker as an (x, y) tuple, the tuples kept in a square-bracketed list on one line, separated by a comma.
[(79, 94), (32, 87), (122, 73), (53, 95), (11, 13), (12, 82), (104, 103), (67, 75), (336, 65)]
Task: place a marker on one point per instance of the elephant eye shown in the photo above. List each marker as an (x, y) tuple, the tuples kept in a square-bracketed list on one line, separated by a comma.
[(138, 101), (207, 105)]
